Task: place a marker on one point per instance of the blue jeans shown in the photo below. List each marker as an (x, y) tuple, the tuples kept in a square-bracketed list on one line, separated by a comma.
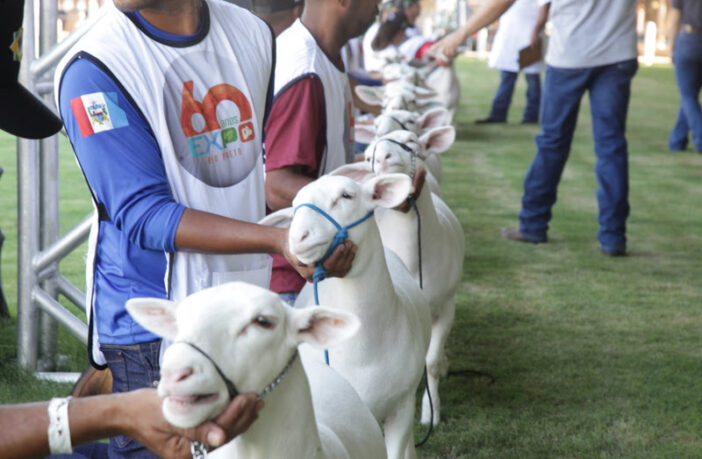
[(688, 73), (609, 87), (133, 367), (503, 97)]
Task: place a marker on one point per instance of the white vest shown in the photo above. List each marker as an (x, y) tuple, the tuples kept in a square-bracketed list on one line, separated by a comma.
[(205, 104), (299, 55)]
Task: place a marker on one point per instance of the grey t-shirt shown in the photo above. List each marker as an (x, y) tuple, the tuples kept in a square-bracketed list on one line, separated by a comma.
[(690, 12), (590, 33)]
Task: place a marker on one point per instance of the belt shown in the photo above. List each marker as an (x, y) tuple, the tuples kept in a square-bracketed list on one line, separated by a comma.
[(687, 28)]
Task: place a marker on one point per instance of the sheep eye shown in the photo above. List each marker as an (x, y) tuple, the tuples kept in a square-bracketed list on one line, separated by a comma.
[(264, 322), (346, 196)]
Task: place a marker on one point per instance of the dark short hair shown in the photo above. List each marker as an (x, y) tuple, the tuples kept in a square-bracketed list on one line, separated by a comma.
[(273, 6)]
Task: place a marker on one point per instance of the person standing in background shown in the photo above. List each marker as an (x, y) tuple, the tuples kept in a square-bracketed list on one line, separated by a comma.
[(520, 27), (685, 31), (592, 48)]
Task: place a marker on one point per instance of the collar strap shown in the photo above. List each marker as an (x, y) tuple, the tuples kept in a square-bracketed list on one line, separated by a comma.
[(399, 123), (341, 235), (414, 154), (231, 388)]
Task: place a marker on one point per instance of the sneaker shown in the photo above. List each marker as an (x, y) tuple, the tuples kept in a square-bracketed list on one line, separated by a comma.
[(613, 252), (490, 121), (514, 234)]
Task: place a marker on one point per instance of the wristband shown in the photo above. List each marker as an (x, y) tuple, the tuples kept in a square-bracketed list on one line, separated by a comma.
[(59, 433)]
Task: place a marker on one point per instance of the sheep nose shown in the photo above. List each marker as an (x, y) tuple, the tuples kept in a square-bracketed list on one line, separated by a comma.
[(304, 235), (177, 375)]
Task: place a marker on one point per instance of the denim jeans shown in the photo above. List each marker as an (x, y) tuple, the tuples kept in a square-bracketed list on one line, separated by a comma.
[(609, 87), (688, 73), (503, 96), (133, 367)]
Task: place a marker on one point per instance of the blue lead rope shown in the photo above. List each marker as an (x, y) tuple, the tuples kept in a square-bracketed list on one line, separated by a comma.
[(342, 234)]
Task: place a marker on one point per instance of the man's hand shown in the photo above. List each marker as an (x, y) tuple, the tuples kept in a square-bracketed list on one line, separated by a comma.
[(417, 185), (446, 49), (337, 265), (145, 423)]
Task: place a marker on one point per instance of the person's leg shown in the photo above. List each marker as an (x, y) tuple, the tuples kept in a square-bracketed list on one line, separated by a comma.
[(679, 135), (688, 74), (609, 102), (503, 97), (563, 90), (533, 98), (133, 367)]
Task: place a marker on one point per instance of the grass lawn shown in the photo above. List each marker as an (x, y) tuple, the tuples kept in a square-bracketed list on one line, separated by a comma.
[(591, 356)]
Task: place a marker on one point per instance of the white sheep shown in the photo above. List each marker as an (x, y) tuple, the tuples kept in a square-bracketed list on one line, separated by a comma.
[(384, 361), (252, 337), (442, 239), (399, 95), (394, 120), (441, 79)]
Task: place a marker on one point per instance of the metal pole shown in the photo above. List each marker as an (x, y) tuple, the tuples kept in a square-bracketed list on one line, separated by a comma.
[(27, 216), (49, 192), (62, 247)]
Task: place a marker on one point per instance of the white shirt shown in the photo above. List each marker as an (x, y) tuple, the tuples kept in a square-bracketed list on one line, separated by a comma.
[(590, 33)]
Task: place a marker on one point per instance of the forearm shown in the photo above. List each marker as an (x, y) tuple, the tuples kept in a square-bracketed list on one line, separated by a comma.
[(543, 18), (488, 13), (23, 428), (282, 185), (205, 232)]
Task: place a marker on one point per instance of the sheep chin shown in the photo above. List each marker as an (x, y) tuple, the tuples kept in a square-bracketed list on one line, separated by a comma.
[(189, 411)]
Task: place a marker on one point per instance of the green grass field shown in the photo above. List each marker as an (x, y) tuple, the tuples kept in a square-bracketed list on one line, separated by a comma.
[(591, 356)]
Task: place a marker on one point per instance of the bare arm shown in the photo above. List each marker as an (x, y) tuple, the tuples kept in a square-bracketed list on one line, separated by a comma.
[(282, 185), (23, 428), (540, 24), (674, 16), (488, 13), (225, 235)]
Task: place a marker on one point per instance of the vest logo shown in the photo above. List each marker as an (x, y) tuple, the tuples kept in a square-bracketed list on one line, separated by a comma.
[(208, 135), (212, 124)]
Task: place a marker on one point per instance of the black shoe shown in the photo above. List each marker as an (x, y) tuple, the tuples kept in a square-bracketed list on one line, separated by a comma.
[(620, 252), (514, 234), (490, 121)]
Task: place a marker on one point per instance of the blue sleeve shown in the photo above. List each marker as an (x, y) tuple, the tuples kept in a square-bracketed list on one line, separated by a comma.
[(122, 163)]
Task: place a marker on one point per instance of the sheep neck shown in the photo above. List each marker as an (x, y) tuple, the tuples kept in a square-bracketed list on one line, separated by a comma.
[(368, 278), (286, 427)]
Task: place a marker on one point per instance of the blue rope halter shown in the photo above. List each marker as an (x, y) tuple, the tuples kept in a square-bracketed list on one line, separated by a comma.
[(341, 235)]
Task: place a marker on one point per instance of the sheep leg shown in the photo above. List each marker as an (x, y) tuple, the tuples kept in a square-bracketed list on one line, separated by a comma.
[(399, 441), (437, 363)]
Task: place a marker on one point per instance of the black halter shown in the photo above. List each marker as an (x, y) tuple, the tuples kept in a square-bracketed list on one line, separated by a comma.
[(231, 388), (413, 154)]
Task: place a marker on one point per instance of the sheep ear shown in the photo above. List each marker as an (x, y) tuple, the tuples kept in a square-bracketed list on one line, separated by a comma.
[(358, 172), (389, 190), (438, 140), (322, 327), (364, 133), (280, 218), (372, 95), (155, 314), (433, 118)]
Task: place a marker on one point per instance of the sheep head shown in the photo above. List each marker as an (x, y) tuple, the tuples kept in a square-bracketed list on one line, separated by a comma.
[(246, 330)]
